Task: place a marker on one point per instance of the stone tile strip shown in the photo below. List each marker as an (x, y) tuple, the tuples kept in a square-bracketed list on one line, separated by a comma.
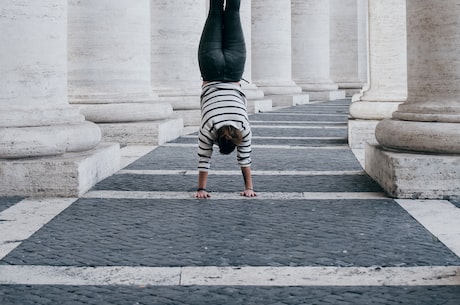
[(79, 276), (439, 217), (231, 276), (20, 221), (321, 276), (223, 196)]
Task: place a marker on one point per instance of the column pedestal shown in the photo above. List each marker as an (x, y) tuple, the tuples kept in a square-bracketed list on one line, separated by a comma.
[(414, 176), (68, 175)]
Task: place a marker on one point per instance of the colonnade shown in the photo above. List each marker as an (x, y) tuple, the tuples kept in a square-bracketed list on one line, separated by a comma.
[(79, 78), (418, 155)]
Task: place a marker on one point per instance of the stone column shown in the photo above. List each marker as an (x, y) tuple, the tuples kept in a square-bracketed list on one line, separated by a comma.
[(387, 86), (256, 97), (35, 117), (311, 49), (344, 46), (271, 52), (109, 71), (176, 27), (424, 134)]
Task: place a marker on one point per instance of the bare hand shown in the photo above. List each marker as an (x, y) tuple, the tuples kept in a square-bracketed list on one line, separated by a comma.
[(202, 195), (248, 193)]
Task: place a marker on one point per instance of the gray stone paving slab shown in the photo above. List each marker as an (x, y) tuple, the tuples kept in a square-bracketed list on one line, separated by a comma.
[(218, 183), (166, 233), (198, 295), (455, 202), (6, 202), (262, 159)]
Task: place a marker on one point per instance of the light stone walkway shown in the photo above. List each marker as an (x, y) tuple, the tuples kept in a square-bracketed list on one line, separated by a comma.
[(22, 220)]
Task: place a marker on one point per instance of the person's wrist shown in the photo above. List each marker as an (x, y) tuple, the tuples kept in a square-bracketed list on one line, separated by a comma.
[(201, 189)]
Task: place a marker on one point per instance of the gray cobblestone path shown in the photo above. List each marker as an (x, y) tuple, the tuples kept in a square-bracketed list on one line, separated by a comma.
[(307, 232)]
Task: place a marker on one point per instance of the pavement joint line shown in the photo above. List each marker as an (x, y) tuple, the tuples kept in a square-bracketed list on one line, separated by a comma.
[(230, 276), (439, 217), (236, 172), (26, 217), (234, 196)]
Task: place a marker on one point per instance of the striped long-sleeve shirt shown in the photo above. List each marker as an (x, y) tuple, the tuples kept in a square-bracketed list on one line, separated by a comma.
[(223, 104)]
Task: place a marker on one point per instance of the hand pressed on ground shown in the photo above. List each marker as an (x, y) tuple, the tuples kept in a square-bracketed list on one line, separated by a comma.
[(202, 194), (248, 193)]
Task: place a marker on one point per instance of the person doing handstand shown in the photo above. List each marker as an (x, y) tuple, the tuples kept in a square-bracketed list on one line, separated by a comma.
[(224, 118)]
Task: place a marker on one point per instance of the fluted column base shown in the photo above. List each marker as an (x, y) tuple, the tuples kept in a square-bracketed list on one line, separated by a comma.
[(69, 175), (414, 176)]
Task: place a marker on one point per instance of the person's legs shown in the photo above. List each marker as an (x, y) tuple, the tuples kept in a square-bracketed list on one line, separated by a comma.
[(233, 46), (210, 56)]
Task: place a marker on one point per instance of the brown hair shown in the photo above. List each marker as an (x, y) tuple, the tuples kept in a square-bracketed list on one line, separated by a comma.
[(228, 137)]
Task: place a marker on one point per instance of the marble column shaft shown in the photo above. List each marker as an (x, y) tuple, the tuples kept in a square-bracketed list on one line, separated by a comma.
[(310, 39), (271, 47), (387, 86), (344, 45), (35, 117), (176, 27), (311, 49), (256, 97), (109, 69)]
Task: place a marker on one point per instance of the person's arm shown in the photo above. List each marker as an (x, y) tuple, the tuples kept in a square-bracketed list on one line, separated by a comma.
[(248, 187), (202, 182)]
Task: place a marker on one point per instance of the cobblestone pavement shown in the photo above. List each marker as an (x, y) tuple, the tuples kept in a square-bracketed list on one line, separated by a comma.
[(320, 231)]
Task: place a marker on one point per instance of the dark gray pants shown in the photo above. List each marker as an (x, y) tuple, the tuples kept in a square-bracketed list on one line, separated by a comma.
[(222, 50)]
